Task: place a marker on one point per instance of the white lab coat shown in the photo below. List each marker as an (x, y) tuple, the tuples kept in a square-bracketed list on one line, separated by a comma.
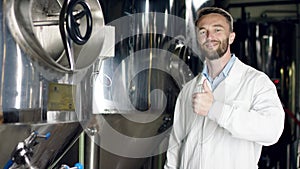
[(245, 115)]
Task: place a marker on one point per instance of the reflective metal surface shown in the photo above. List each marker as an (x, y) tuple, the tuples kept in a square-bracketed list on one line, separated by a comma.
[(35, 25), (40, 81), (134, 93), (45, 153)]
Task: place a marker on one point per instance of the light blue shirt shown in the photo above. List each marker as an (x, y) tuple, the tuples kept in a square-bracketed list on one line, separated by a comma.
[(215, 82)]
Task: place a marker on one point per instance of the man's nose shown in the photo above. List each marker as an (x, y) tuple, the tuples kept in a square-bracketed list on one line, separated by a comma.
[(209, 35)]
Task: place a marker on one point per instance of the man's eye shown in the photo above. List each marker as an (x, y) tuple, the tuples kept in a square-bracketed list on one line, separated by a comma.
[(218, 30), (202, 32)]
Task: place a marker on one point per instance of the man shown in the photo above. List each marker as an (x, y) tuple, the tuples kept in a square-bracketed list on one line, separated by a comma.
[(227, 113)]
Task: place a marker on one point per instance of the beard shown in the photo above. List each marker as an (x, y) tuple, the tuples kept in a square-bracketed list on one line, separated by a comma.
[(212, 54)]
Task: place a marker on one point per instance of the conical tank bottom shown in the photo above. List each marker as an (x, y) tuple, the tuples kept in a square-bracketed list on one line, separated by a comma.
[(46, 152)]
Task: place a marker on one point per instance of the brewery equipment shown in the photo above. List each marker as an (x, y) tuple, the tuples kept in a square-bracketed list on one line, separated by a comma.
[(46, 48), (134, 93), (54, 79)]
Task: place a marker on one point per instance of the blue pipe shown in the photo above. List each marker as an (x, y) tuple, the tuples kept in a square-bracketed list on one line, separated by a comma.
[(8, 164)]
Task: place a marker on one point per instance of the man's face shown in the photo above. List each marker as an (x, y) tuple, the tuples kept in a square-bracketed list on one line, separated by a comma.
[(213, 36)]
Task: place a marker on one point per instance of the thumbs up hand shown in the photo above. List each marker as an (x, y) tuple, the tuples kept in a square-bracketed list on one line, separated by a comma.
[(202, 101)]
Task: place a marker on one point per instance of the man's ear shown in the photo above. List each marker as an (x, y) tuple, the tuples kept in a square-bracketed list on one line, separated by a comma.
[(231, 37)]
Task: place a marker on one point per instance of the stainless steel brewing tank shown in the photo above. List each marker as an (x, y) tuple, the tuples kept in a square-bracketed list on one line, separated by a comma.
[(46, 48), (134, 93)]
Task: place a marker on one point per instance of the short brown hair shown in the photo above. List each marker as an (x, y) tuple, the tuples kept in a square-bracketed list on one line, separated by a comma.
[(208, 10)]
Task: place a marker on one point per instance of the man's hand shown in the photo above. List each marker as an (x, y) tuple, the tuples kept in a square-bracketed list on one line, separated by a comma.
[(203, 101)]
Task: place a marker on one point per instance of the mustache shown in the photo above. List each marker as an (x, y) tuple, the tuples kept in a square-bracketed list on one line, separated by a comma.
[(211, 41)]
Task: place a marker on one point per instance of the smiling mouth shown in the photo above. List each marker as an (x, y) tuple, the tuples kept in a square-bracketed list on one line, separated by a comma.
[(211, 45)]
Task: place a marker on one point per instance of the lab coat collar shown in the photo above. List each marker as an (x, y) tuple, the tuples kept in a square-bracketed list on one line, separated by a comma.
[(231, 82), (236, 72), (225, 71)]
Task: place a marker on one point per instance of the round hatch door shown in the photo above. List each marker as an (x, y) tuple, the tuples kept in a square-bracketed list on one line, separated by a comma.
[(61, 35)]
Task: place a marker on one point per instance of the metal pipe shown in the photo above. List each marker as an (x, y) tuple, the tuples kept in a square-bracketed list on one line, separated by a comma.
[(92, 151), (81, 148), (297, 90)]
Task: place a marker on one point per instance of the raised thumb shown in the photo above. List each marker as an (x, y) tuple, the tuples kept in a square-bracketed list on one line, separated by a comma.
[(205, 86)]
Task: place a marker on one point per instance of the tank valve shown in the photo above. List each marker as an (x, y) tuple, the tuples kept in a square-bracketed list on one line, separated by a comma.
[(76, 166), (24, 151)]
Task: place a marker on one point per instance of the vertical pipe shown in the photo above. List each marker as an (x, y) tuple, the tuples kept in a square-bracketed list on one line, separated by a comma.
[(81, 148), (297, 90), (297, 97), (288, 155), (91, 153), (2, 56)]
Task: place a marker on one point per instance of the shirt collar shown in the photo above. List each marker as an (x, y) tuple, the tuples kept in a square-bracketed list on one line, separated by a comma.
[(225, 71)]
